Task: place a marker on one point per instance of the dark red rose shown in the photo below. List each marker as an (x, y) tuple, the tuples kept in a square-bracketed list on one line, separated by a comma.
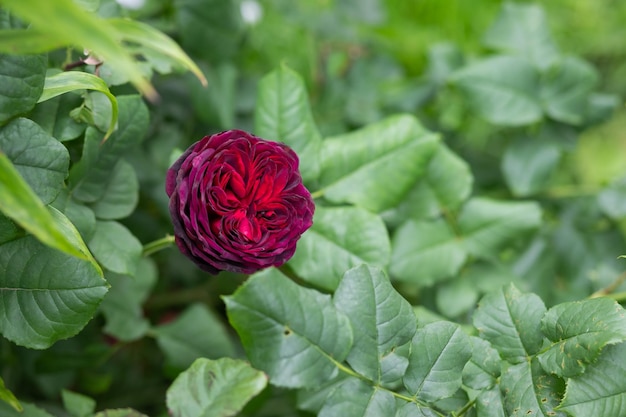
[(237, 202)]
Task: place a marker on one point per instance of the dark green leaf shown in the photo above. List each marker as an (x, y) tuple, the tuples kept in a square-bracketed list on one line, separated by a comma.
[(196, 333), (47, 295), (488, 224), (90, 176), (296, 347), (601, 390), (340, 238), (381, 320), (511, 321), (283, 114), (523, 30), (355, 398), (53, 116), (426, 252), (21, 83), (415, 410), (39, 158), (528, 165), (78, 405), (579, 331), (502, 90), (489, 403), (121, 193), (375, 167), (9, 230), (115, 247), (217, 388), (439, 352), (530, 391), (30, 410), (217, 104)]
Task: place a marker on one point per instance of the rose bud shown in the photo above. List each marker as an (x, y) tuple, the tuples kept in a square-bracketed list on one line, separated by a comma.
[(237, 202)]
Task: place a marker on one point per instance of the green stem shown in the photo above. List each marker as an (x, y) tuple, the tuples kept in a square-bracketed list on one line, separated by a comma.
[(157, 245), (603, 292), (465, 408), (317, 194)]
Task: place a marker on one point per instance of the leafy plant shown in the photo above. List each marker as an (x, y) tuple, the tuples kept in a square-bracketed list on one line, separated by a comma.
[(457, 273)]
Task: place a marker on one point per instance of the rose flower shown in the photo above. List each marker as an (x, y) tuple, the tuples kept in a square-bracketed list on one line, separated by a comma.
[(237, 202)]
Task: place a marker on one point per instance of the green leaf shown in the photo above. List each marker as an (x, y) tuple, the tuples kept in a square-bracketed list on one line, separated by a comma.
[(528, 164), (355, 398), (283, 114), (39, 158), (566, 89), (601, 390), (511, 322), (9, 230), (446, 185), (64, 82), (487, 224), (7, 396), (152, 41), (21, 83), (121, 193), (375, 167), (612, 200), (213, 23), (522, 29), (89, 177), (579, 331), (196, 333), (296, 347), (501, 89), (217, 388), (120, 412), (115, 247), (381, 320), (489, 403), (78, 405), (122, 306), (425, 252), (439, 352), (415, 410), (217, 104), (47, 295), (19, 202), (456, 297), (483, 368), (29, 410), (53, 116), (65, 23), (530, 391), (340, 238)]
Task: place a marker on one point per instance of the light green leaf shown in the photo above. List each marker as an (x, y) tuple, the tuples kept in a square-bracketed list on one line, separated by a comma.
[(456, 297), (355, 398), (489, 403), (446, 185), (487, 224), (47, 295), (501, 89), (283, 114), (64, 23), (122, 306), (381, 320), (120, 412), (7, 397), (601, 390), (530, 391), (425, 252), (19, 202), (566, 89), (115, 247), (483, 368), (612, 200), (78, 405), (64, 82), (196, 333), (528, 164), (39, 158), (511, 322), (90, 176), (121, 193), (340, 238), (375, 167), (21, 83), (218, 388), (439, 352), (523, 30), (297, 348), (579, 331)]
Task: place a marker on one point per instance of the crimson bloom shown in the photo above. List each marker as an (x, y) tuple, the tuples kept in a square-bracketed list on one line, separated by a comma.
[(237, 202)]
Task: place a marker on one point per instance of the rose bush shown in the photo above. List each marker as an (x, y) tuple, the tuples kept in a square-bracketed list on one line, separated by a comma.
[(237, 202)]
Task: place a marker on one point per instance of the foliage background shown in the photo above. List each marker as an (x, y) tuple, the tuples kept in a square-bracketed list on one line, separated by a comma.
[(361, 61)]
